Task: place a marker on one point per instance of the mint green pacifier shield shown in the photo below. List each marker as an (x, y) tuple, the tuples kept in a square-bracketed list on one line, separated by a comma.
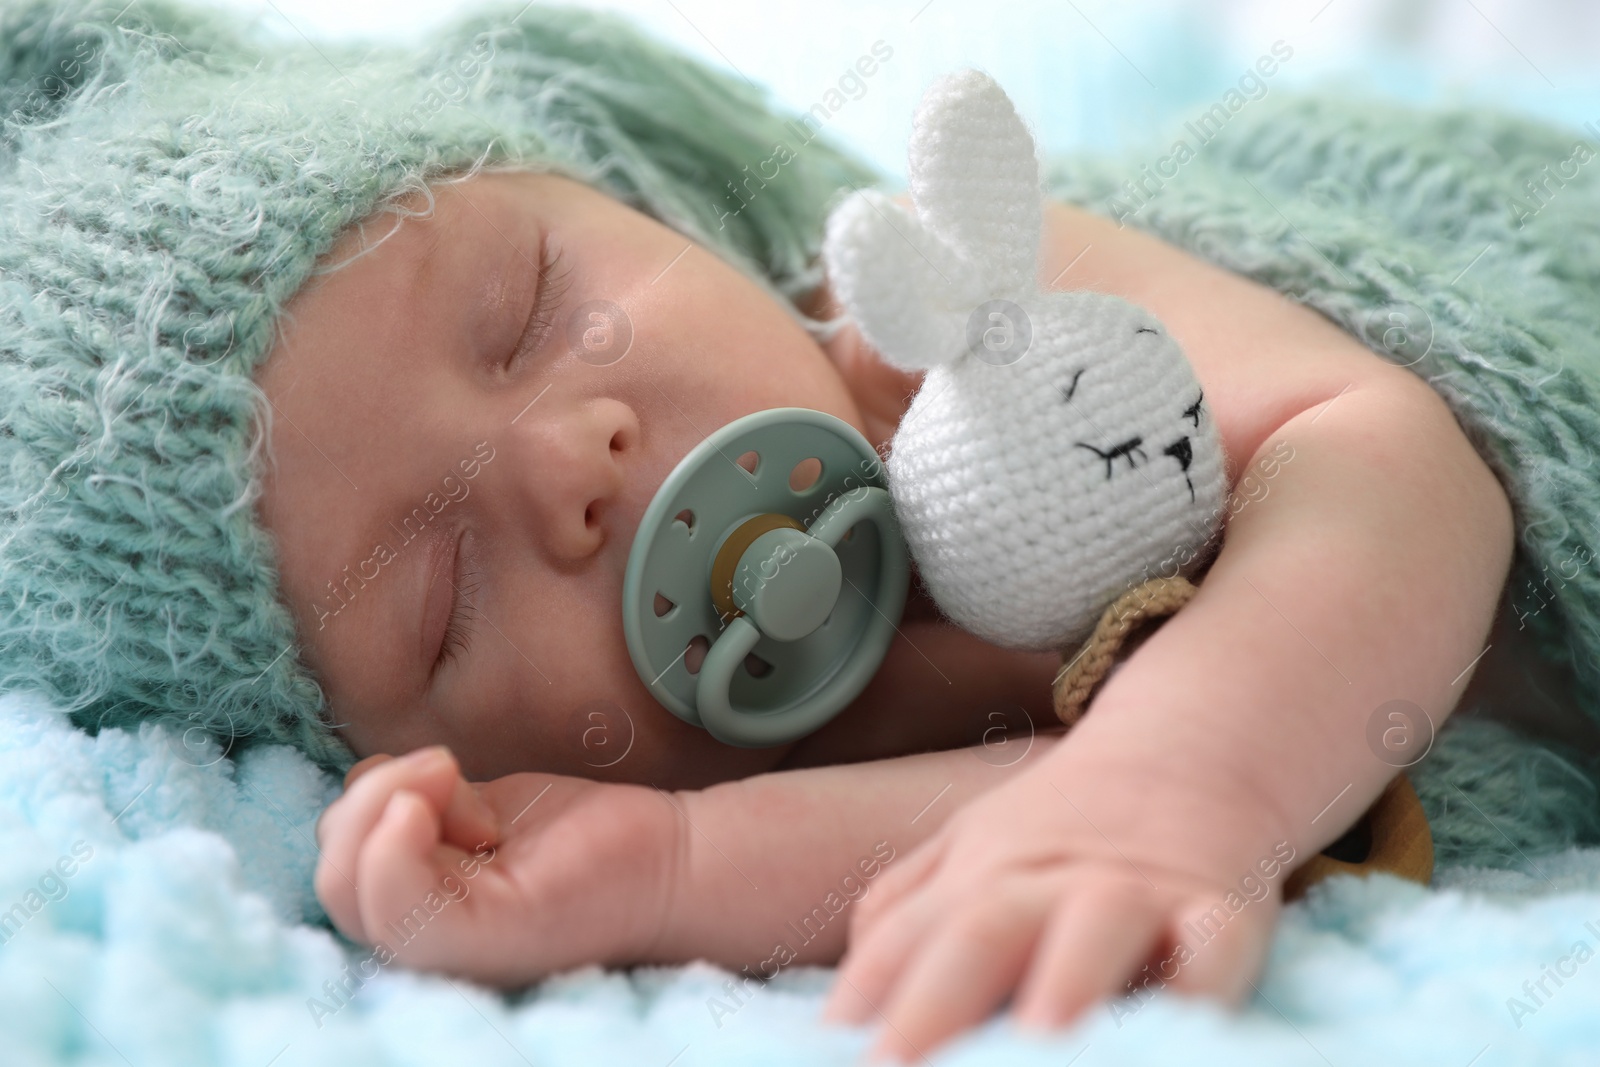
[(756, 689)]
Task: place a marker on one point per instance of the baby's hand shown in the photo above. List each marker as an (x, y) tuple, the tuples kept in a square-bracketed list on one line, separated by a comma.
[(1019, 891), (502, 882)]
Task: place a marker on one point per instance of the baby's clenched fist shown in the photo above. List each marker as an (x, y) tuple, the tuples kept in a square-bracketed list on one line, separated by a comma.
[(503, 882)]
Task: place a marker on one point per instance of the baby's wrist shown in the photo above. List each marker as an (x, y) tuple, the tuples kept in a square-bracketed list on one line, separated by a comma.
[(662, 938), (1159, 794)]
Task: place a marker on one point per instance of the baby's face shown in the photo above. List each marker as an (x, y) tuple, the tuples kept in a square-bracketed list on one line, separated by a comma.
[(456, 486)]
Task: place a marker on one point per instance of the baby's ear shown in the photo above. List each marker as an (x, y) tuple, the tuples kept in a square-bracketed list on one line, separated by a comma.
[(974, 177), (893, 279)]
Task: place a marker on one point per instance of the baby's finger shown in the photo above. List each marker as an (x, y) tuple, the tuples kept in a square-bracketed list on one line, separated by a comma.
[(469, 821), (873, 965), (969, 965), (430, 771), (1226, 965), (1098, 935), (398, 870), (363, 766), (344, 826), (897, 883)]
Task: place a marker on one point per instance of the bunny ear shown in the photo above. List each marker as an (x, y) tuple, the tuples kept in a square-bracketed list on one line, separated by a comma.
[(974, 177), (894, 280)]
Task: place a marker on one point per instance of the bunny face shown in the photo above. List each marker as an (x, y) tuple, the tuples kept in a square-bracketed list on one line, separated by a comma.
[(1032, 493), (1060, 450)]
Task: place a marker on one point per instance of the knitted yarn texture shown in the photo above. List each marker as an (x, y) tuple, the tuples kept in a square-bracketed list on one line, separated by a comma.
[(169, 177), (1059, 451), (1412, 229)]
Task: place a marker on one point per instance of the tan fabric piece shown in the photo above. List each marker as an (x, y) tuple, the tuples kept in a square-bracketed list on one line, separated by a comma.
[(1402, 844), (1155, 599)]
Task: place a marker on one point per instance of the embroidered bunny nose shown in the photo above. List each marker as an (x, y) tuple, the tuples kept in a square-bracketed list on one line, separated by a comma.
[(1181, 451)]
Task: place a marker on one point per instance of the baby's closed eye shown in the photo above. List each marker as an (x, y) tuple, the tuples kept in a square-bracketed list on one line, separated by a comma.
[(554, 278)]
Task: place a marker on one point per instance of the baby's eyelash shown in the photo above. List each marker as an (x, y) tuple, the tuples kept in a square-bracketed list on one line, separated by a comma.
[(554, 278), (456, 630)]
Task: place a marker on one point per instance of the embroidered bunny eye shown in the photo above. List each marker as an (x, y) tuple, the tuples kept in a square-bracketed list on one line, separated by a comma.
[(1068, 390), (1145, 329), (1193, 410), (1126, 450)]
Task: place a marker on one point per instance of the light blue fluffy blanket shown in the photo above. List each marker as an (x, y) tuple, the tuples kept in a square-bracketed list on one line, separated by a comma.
[(156, 909)]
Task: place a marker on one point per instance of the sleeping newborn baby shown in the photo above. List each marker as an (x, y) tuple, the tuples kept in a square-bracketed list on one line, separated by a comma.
[(477, 658)]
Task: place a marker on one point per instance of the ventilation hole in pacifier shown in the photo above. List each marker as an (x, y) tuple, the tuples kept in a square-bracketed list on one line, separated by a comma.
[(805, 474), (749, 461), (695, 654), (686, 517), (848, 534), (663, 605), (756, 667)]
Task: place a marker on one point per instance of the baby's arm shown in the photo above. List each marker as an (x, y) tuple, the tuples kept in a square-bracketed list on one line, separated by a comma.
[(768, 858), (1368, 573), (507, 881)]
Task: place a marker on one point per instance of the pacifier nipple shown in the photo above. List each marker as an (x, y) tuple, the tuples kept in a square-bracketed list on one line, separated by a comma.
[(797, 588)]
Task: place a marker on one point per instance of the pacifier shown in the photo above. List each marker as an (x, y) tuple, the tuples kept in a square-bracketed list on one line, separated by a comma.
[(792, 578)]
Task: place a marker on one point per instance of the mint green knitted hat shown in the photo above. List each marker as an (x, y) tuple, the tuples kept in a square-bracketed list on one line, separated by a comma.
[(169, 177)]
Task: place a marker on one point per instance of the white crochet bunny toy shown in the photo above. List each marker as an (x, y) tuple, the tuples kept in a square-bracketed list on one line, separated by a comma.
[(1060, 451)]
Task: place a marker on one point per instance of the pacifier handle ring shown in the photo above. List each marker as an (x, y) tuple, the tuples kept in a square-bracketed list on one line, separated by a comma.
[(767, 729)]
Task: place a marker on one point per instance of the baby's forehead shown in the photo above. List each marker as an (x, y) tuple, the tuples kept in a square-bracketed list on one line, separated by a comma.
[(407, 232), (410, 229)]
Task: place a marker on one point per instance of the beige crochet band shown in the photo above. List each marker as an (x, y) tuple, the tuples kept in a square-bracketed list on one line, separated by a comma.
[(1155, 599)]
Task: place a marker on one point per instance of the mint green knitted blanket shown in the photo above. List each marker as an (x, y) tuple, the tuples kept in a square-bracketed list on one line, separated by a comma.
[(1465, 245)]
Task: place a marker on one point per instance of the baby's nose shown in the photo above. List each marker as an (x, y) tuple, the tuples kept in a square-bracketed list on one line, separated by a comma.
[(569, 474), (1180, 451)]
